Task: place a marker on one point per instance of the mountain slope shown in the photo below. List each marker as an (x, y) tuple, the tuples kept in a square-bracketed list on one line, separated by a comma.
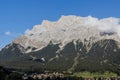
[(71, 44), (104, 55)]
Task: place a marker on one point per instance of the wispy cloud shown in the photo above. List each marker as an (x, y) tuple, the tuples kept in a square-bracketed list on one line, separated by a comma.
[(12, 34), (8, 33)]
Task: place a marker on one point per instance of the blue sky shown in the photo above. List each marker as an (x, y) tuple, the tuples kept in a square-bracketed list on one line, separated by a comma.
[(18, 15)]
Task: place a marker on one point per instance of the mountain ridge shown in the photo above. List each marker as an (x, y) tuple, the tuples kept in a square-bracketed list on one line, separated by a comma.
[(67, 29), (60, 46)]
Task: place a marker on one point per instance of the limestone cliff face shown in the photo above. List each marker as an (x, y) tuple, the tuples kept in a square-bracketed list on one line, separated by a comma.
[(68, 28)]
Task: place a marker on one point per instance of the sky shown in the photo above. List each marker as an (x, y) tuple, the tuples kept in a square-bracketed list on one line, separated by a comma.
[(16, 16)]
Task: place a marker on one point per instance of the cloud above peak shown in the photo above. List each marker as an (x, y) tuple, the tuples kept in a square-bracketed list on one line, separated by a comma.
[(110, 24)]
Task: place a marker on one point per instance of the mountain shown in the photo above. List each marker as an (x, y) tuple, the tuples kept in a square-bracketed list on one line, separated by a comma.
[(71, 44)]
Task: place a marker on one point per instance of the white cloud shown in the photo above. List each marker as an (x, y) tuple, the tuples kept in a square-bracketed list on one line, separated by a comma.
[(8, 33), (110, 24), (28, 31)]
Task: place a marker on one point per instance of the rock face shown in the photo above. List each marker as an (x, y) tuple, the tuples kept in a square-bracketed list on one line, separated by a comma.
[(70, 44), (67, 29)]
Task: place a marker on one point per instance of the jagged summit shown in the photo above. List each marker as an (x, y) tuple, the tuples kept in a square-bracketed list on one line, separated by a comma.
[(69, 28)]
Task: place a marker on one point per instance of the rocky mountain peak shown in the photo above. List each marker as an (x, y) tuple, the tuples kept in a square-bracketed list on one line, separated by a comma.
[(69, 28)]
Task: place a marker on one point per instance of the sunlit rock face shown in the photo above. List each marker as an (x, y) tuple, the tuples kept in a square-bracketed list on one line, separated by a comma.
[(69, 28)]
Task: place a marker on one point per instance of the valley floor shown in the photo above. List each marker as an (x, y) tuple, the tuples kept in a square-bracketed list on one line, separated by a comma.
[(10, 74)]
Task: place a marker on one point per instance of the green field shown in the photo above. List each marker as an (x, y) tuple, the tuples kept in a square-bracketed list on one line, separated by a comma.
[(87, 74)]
